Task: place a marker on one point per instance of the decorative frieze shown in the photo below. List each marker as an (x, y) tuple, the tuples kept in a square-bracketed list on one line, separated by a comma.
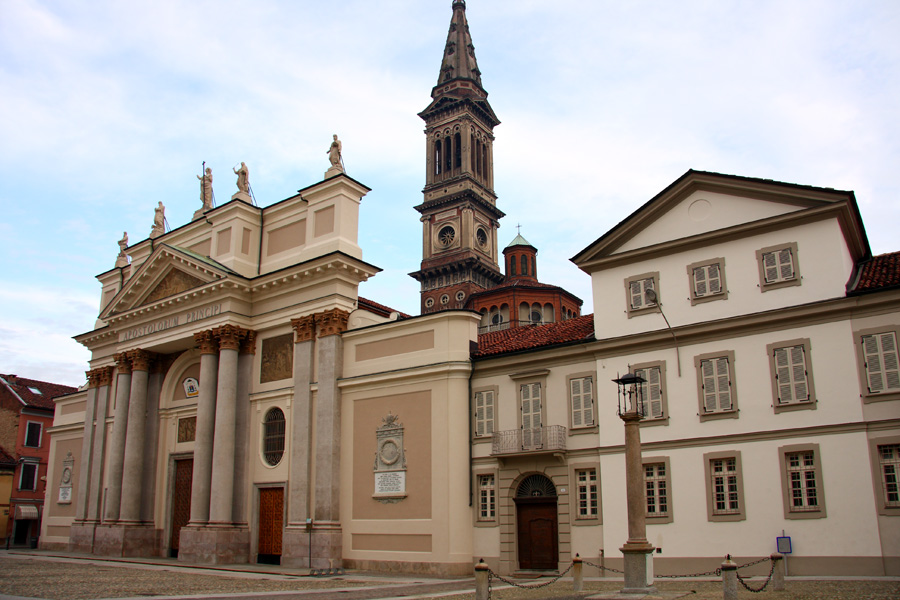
[(304, 328), (277, 358), (332, 322)]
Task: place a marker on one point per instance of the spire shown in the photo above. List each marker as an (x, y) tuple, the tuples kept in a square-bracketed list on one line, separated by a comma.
[(459, 52)]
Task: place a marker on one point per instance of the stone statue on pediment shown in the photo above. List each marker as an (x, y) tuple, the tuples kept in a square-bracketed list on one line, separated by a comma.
[(122, 258), (159, 221), (243, 184), (206, 193), (334, 156)]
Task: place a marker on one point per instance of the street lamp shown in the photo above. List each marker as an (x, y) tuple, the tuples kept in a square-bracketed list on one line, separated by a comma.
[(637, 550)]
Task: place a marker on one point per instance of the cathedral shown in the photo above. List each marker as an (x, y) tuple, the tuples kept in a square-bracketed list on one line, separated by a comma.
[(245, 404)]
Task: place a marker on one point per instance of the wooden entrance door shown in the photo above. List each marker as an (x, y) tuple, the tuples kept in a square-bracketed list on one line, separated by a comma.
[(181, 500), (537, 533), (271, 513)]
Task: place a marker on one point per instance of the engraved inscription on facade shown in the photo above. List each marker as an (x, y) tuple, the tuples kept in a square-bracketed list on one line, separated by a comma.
[(277, 358), (65, 480), (390, 461)]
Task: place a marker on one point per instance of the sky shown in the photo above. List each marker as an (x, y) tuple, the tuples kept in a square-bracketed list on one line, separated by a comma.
[(109, 107)]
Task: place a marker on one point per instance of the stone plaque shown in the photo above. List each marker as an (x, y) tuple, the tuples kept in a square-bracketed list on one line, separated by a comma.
[(390, 461), (390, 483), (277, 358), (187, 429), (65, 480)]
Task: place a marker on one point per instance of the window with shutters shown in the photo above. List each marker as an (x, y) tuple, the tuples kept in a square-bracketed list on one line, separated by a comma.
[(636, 299), (778, 266), (801, 482), (792, 383), (707, 281), (531, 416), (724, 486), (657, 489), (879, 359), (586, 493), (485, 403), (653, 393), (715, 382), (581, 401)]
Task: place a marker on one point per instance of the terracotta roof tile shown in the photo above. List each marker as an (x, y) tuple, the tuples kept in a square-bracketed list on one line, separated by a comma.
[(518, 339), (378, 309), (879, 272), (6, 458), (34, 393)]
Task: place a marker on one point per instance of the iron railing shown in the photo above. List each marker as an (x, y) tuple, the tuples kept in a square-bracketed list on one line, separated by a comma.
[(540, 439)]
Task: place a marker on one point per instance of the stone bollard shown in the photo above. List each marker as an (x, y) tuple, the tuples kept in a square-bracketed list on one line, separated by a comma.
[(729, 579), (482, 574), (778, 574), (577, 575)]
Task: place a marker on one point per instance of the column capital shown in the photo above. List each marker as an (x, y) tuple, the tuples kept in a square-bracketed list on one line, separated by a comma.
[(207, 342), (248, 346), (304, 328), (230, 336), (105, 375), (99, 377), (123, 363), (332, 322), (140, 359)]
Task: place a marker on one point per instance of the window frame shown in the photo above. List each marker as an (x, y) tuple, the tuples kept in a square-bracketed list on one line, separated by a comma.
[(531, 378), (875, 460), (819, 511), (574, 518), (264, 437), (712, 516), (494, 391), (812, 402), (31, 464), (593, 426), (659, 519), (642, 310), (722, 294), (733, 413), (764, 285), (477, 476), (866, 394), (40, 433), (661, 365)]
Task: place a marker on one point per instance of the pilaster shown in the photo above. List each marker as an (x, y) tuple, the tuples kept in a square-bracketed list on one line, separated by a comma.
[(95, 501)]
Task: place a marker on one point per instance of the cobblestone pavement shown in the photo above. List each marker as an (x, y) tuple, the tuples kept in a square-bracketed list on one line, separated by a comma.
[(45, 576)]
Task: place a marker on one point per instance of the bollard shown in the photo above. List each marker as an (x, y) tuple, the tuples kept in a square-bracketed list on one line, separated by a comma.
[(482, 572), (577, 575), (778, 574), (729, 579)]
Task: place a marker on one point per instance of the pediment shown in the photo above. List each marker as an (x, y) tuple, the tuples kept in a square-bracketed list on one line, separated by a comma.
[(701, 203), (168, 272)]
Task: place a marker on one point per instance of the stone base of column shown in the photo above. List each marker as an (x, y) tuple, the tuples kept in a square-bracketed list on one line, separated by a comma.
[(638, 568), (127, 540), (214, 545), (326, 542), (81, 537)]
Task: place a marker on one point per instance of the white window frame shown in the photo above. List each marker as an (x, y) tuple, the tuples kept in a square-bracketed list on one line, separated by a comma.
[(771, 261), (724, 484), (658, 486), (487, 497), (801, 482), (790, 364), (582, 404), (40, 433), (534, 392), (587, 496), (485, 411), (716, 361), (699, 296), (886, 376), (636, 303), (651, 387), (34, 482)]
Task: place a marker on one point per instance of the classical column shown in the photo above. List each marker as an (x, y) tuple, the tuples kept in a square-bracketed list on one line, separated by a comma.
[(104, 375), (133, 472), (242, 428), (636, 550), (330, 325), (117, 440), (206, 415), (301, 421), (222, 480), (87, 447)]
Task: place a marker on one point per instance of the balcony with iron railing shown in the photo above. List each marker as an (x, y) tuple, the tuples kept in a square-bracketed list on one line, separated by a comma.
[(551, 439)]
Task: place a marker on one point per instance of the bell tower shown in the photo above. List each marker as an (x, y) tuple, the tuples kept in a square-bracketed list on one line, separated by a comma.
[(459, 213)]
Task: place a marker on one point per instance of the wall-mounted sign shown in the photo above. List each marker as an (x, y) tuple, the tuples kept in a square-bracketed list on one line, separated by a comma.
[(65, 480), (390, 461), (191, 387)]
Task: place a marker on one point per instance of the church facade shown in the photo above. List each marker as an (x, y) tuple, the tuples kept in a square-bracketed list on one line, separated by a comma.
[(245, 404)]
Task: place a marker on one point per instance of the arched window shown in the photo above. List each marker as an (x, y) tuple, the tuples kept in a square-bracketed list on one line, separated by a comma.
[(524, 264), (437, 157), (535, 486), (457, 151), (273, 436), (448, 155), (512, 265)]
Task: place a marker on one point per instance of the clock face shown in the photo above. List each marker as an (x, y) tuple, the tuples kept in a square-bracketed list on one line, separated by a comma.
[(390, 452)]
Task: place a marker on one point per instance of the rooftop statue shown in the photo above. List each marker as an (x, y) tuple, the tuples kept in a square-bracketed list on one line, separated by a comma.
[(122, 258), (206, 189), (334, 154), (159, 221), (243, 180)]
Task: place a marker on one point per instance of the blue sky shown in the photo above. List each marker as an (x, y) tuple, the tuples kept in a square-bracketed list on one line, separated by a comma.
[(111, 106)]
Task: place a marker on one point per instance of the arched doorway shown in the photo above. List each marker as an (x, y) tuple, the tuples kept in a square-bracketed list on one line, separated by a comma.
[(536, 524)]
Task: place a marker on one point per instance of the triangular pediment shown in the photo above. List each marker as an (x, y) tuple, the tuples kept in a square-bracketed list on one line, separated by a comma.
[(168, 272), (701, 204)]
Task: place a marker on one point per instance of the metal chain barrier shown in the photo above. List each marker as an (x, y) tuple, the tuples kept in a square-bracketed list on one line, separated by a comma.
[(525, 586), (602, 568), (765, 583)]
